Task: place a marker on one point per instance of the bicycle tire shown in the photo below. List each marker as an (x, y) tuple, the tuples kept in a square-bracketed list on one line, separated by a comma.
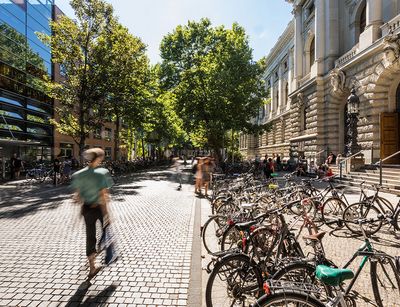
[(230, 238), (308, 270), (397, 221), (208, 242), (279, 297), (337, 207), (227, 208), (242, 264), (351, 213), (376, 280), (381, 203)]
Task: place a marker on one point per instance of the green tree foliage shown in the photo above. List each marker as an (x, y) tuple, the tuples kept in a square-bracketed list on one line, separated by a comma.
[(217, 85), (75, 46), (127, 78)]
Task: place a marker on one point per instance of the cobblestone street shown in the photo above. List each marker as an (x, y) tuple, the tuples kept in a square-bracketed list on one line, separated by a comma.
[(43, 259)]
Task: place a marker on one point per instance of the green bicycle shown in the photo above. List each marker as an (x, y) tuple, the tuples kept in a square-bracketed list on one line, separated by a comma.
[(384, 272)]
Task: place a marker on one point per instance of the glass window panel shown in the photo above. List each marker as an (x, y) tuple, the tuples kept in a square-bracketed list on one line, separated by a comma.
[(12, 34), (9, 19), (37, 130), (15, 9), (37, 119), (36, 54), (44, 5), (12, 59), (11, 114), (37, 109), (11, 101), (41, 16), (37, 27), (35, 39), (12, 46), (10, 127)]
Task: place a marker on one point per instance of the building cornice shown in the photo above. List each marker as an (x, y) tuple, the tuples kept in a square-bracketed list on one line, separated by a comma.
[(283, 41)]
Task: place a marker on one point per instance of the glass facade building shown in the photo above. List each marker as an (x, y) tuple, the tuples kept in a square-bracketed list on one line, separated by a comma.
[(25, 109)]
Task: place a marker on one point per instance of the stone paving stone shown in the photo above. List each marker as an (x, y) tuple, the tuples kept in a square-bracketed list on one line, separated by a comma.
[(43, 245)]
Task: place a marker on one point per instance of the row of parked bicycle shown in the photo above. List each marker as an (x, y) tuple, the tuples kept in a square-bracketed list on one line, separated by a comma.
[(45, 172), (257, 258)]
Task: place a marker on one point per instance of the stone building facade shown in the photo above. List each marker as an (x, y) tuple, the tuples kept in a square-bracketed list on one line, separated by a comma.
[(335, 45)]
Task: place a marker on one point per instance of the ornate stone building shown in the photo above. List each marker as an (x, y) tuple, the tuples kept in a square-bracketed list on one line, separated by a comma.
[(334, 45)]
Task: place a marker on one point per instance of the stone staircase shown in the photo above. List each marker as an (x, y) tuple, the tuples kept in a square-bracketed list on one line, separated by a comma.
[(370, 175)]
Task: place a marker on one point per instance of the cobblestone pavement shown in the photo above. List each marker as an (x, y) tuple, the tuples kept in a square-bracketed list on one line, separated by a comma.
[(42, 239), (339, 246)]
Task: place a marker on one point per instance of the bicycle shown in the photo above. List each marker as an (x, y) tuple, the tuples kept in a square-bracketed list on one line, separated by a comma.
[(288, 293)]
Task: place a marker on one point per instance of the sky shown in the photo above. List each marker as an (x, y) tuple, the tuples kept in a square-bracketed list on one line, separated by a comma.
[(263, 20)]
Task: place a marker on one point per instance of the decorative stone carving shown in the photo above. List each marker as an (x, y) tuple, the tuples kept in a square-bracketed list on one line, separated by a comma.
[(300, 99), (338, 80), (392, 47)]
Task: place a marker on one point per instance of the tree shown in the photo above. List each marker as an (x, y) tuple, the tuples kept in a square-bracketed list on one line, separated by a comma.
[(74, 45), (127, 77), (217, 85)]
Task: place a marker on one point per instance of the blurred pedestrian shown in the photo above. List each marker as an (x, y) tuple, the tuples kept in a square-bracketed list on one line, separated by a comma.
[(198, 176), (91, 185), (16, 165)]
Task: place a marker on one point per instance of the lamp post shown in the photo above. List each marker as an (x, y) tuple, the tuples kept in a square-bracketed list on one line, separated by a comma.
[(353, 105)]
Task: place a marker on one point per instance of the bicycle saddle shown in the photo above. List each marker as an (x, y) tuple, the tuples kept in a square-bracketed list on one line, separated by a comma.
[(316, 236), (332, 276), (246, 225)]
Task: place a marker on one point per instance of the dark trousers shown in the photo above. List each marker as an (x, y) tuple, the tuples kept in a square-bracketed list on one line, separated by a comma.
[(91, 215)]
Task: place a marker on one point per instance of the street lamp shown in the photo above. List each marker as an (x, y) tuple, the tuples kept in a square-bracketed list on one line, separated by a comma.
[(353, 106)]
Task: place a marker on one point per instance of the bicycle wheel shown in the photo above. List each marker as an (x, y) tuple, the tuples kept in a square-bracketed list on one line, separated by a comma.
[(219, 200), (396, 221), (362, 211), (332, 210), (231, 238), (303, 272), (227, 208), (385, 282), (234, 281), (212, 233), (285, 299), (382, 204)]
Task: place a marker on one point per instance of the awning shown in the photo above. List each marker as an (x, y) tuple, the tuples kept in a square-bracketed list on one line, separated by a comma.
[(19, 142)]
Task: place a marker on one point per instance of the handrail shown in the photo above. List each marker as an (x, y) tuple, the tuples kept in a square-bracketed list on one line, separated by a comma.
[(345, 161), (387, 158), (348, 158), (380, 165)]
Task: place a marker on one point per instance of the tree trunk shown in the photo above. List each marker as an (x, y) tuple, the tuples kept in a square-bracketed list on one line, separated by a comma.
[(116, 138), (82, 134), (143, 153)]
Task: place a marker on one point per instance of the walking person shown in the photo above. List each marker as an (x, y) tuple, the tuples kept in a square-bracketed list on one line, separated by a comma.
[(199, 178), (56, 168), (206, 174), (91, 185), (16, 165)]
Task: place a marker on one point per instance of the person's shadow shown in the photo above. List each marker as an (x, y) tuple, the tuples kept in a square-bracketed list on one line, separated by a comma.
[(98, 300)]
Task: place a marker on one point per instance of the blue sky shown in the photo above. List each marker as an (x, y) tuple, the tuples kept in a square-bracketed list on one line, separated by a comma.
[(264, 20)]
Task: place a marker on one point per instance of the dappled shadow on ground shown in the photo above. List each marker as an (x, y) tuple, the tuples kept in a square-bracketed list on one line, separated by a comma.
[(375, 239), (97, 300), (20, 202)]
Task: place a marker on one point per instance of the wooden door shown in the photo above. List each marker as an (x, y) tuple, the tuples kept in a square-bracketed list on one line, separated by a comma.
[(389, 124)]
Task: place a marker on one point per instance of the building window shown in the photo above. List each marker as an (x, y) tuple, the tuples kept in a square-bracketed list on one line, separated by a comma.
[(97, 133), (312, 52), (363, 19), (66, 150), (276, 103), (108, 134), (286, 93), (398, 99), (107, 152)]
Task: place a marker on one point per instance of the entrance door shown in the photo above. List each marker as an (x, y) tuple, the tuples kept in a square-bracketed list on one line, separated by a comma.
[(389, 123)]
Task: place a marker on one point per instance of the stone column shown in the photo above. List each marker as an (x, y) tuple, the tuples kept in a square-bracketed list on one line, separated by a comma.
[(279, 103), (298, 44), (332, 33), (374, 21), (272, 96), (319, 35)]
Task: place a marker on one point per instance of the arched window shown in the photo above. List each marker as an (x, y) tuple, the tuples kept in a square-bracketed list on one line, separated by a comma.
[(398, 99), (312, 52), (363, 19)]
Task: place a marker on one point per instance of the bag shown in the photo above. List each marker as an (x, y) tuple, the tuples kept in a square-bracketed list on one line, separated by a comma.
[(194, 168), (107, 243)]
